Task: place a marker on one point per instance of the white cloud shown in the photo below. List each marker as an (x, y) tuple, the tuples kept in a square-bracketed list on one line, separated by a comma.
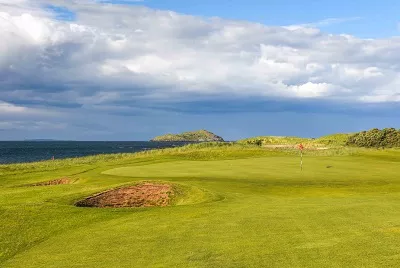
[(312, 90), (326, 22), (115, 53), (10, 108)]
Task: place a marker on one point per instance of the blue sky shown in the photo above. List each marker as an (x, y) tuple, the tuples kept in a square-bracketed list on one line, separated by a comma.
[(364, 18), (61, 13), (131, 70)]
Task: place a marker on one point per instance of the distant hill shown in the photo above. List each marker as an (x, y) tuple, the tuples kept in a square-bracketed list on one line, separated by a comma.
[(199, 136), (39, 140)]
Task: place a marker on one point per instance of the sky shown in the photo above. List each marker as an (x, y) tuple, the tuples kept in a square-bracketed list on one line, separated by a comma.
[(132, 70)]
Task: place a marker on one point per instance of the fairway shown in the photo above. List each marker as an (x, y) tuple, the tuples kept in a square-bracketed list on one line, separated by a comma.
[(254, 210)]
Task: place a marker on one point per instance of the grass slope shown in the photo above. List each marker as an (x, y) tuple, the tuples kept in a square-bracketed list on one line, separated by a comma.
[(246, 207), (339, 139)]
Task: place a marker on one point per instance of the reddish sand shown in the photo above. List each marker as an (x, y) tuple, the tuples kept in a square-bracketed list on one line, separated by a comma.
[(142, 195)]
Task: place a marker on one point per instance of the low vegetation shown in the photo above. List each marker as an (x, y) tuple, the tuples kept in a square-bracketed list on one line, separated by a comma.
[(330, 140), (338, 139), (376, 138), (274, 140)]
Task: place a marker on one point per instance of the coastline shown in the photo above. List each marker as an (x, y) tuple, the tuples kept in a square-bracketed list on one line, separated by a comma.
[(14, 152)]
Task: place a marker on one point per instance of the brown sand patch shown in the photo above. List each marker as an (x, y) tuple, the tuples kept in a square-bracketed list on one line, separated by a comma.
[(277, 146), (53, 182), (142, 195), (294, 146)]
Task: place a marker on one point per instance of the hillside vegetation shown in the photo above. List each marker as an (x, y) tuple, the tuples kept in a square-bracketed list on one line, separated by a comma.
[(195, 136), (332, 140), (376, 138)]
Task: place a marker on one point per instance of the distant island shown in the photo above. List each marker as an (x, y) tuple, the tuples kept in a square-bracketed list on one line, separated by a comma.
[(199, 136), (39, 140)]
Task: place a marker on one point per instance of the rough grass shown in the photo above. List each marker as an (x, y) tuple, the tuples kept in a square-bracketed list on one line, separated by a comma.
[(244, 207), (339, 139), (333, 140)]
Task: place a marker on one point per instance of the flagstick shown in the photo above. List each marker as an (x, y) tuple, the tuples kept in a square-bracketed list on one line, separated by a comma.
[(301, 160), (301, 147)]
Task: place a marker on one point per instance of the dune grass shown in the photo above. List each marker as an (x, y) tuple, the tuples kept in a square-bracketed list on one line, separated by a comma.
[(244, 206), (334, 140)]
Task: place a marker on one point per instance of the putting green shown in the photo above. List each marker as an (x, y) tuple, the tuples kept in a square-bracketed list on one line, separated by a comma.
[(340, 211)]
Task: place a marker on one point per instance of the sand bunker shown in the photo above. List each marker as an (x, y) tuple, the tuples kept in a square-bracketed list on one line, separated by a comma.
[(53, 182), (142, 195)]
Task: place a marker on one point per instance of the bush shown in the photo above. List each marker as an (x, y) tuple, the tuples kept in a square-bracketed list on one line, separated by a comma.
[(375, 138)]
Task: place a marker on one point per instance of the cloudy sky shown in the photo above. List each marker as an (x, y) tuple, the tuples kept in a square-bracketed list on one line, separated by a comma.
[(130, 70)]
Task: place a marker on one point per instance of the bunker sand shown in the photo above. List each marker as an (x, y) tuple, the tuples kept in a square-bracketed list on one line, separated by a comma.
[(142, 195)]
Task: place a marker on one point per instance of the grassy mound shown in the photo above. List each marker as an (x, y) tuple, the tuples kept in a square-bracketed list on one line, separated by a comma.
[(329, 140), (339, 139)]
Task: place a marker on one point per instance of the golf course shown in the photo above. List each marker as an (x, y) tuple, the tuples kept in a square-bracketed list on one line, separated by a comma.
[(227, 205), (199, 134)]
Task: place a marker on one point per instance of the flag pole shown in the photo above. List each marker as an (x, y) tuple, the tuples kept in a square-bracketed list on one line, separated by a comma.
[(301, 147), (301, 160)]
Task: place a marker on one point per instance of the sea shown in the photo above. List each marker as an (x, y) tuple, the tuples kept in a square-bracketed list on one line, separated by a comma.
[(33, 151)]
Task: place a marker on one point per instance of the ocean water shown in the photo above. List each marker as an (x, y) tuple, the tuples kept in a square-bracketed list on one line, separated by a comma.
[(32, 151)]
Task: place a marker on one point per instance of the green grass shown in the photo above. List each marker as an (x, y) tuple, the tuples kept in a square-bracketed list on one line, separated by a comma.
[(241, 206), (333, 140), (339, 139)]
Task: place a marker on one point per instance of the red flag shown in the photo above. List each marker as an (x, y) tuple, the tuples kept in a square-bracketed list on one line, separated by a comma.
[(301, 147)]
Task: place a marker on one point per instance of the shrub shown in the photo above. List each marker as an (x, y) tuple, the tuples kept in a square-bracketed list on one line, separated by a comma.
[(375, 138)]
